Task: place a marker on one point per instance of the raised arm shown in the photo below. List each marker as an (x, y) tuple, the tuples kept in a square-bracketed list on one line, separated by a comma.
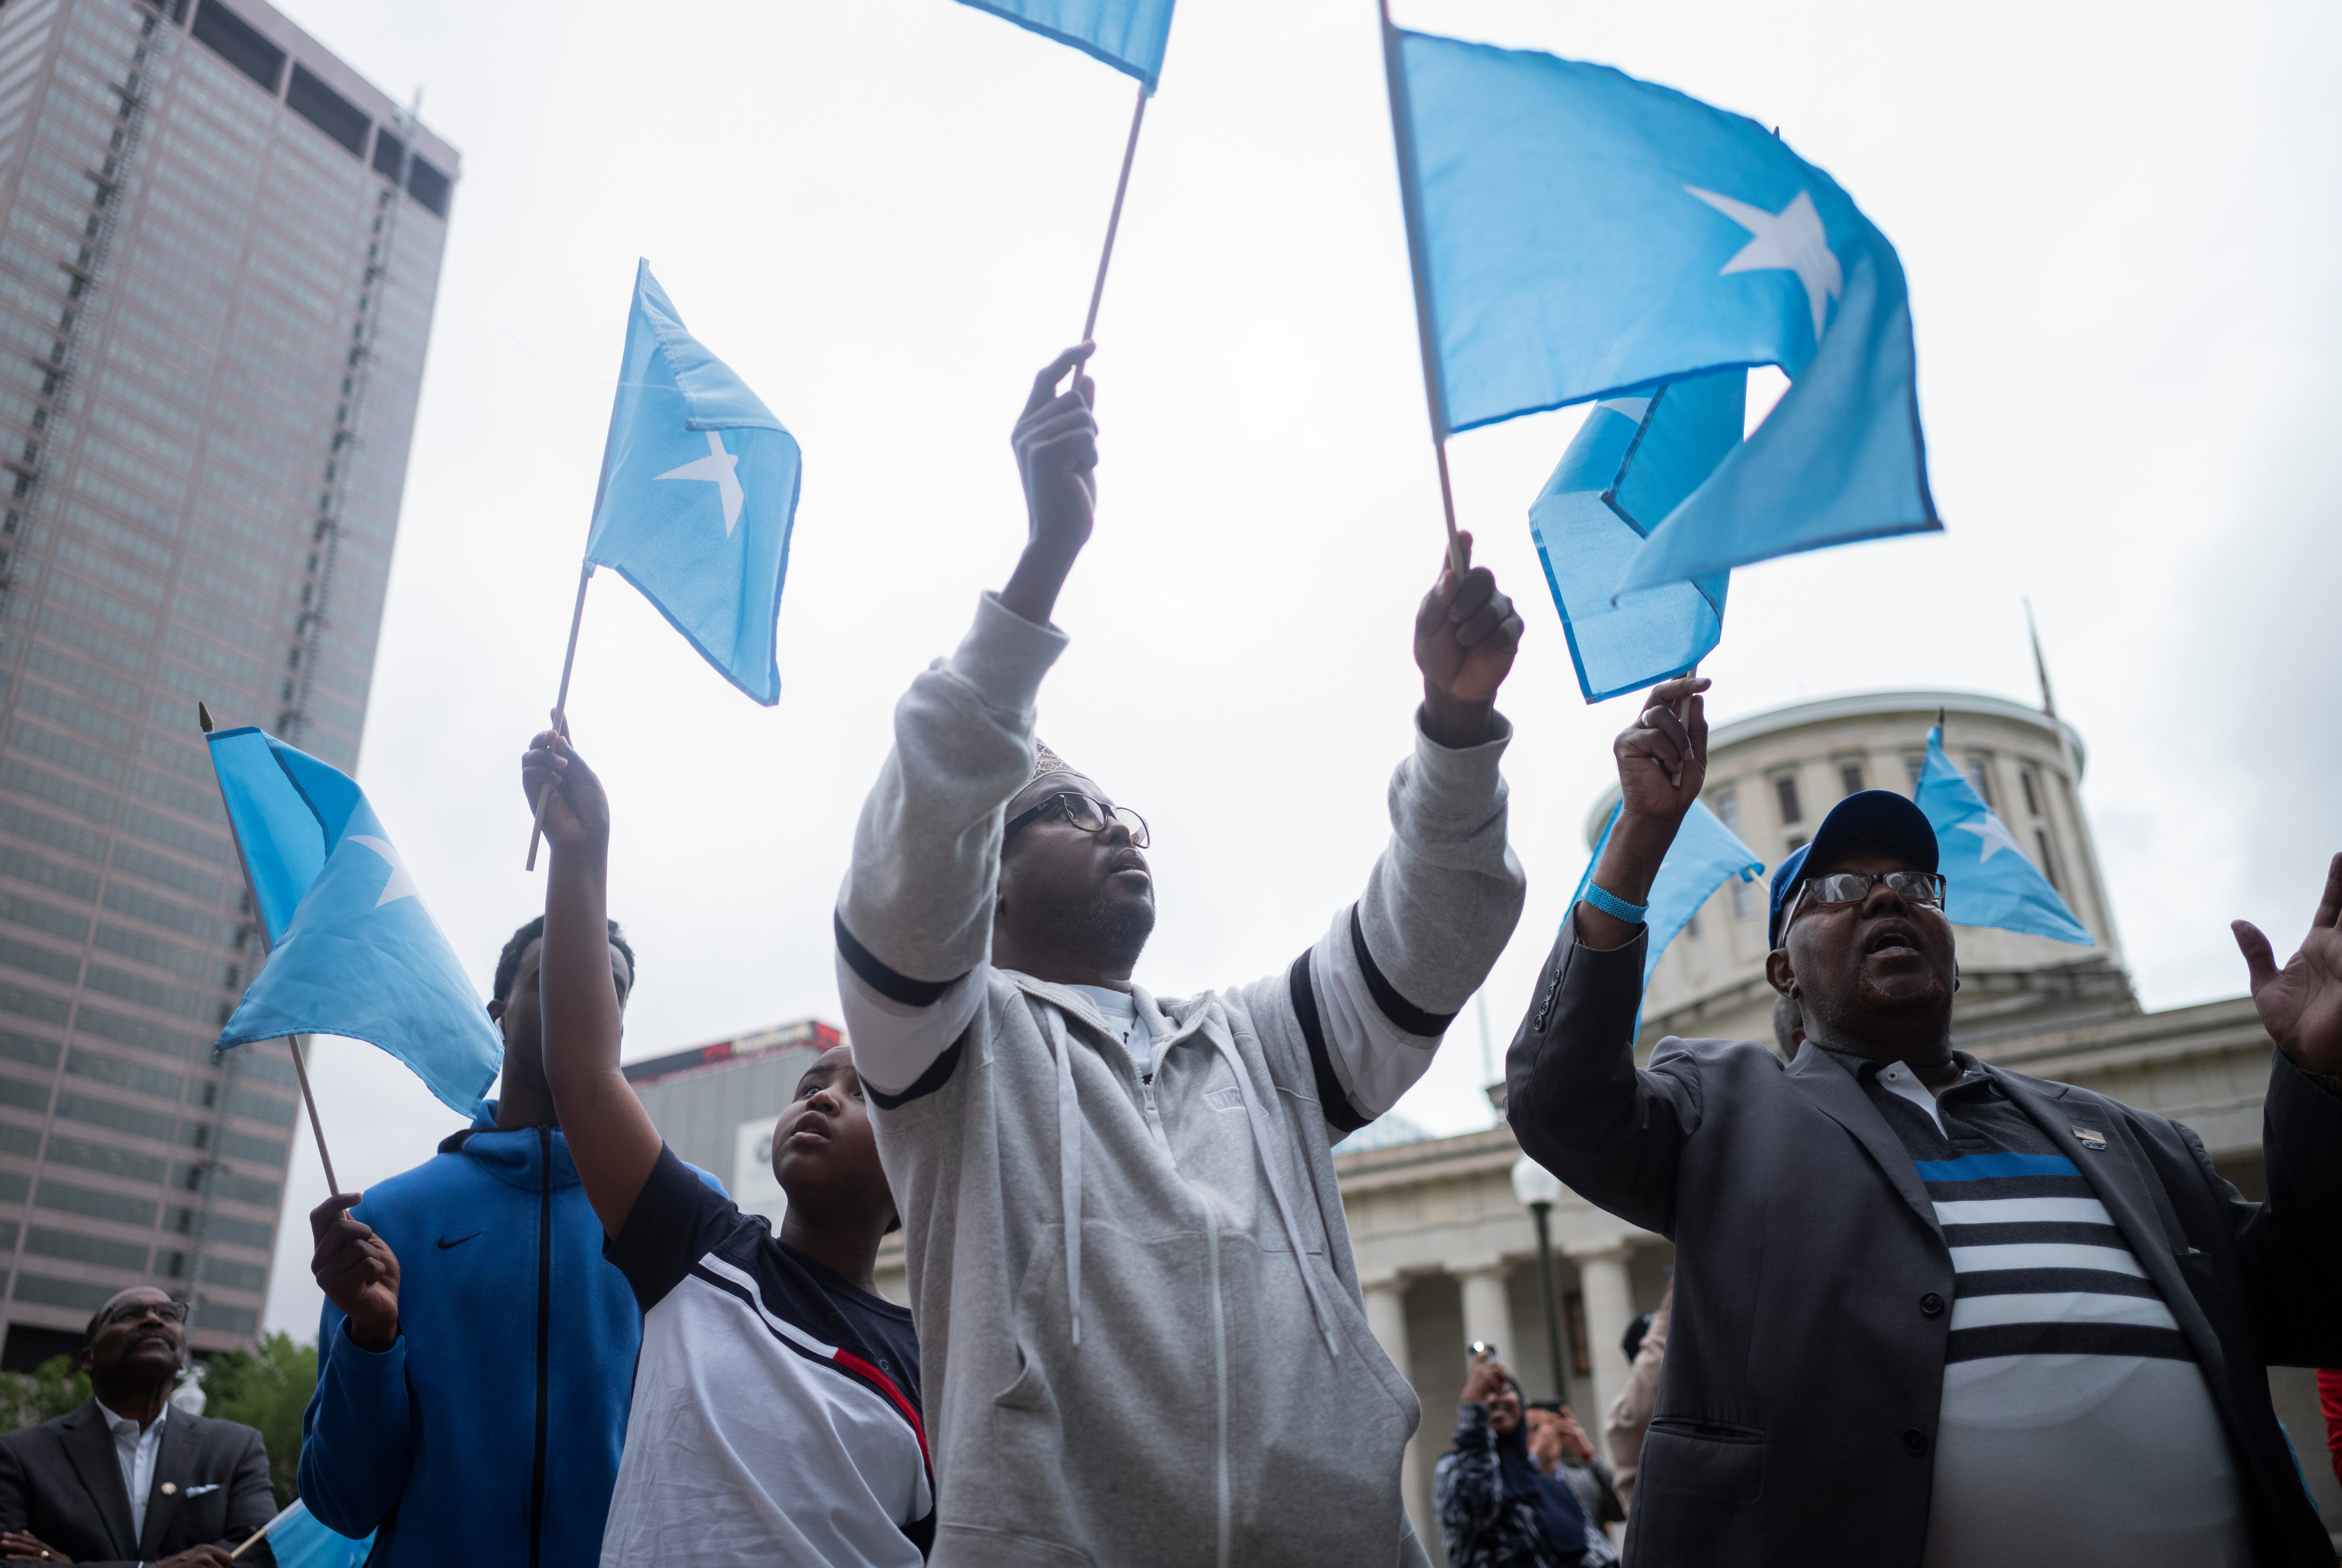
[(1573, 1094), (2292, 1244), (610, 1135), (914, 919), (1376, 995)]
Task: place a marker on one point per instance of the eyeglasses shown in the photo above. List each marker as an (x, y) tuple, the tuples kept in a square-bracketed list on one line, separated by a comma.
[(131, 1312), (1923, 888), (1082, 811)]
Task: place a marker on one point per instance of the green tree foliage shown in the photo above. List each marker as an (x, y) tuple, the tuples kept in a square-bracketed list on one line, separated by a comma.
[(54, 1390), (267, 1388)]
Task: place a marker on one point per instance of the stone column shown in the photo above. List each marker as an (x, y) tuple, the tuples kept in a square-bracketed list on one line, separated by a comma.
[(1386, 1315), (1609, 1303), (1488, 1309)]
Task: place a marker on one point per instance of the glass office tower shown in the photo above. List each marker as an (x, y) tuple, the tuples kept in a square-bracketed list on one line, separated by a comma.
[(217, 261)]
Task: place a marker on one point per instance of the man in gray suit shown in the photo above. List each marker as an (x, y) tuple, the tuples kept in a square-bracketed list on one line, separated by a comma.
[(1929, 1312), (127, 1479)]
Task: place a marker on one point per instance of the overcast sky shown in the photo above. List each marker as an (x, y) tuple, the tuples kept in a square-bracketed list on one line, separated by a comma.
[(2119, 225)]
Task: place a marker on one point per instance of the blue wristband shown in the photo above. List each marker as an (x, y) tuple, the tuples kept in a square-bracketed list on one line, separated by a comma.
[(1617, 908)]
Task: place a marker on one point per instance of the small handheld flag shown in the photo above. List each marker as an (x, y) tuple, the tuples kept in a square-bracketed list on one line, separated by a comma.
[(1633, 461), (1578, 233), (698, 494), (298, 1541), (1127, 35), (1988, 880), (352, 950), (1704, 855), (697, 500)]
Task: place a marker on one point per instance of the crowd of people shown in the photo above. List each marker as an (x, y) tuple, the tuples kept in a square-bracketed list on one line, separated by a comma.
[(1926, 1311)]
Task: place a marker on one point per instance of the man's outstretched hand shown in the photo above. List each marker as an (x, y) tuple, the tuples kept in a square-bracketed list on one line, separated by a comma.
[(1057, 453), (1466, 636), (2301, 1005)]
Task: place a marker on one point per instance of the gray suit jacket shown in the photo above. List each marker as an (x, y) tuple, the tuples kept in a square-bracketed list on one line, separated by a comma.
[(61, 1479), (1797, 1410)]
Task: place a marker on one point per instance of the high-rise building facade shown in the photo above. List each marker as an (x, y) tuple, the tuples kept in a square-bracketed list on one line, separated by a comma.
[(218, 256)]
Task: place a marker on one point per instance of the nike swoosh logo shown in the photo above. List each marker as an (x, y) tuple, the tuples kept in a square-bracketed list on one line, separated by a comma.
[(445, 1243)]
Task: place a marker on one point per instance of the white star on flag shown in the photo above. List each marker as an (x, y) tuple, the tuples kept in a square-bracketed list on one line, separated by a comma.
[(1993, 836), (1790, 240), (400, 885), (717, 469)]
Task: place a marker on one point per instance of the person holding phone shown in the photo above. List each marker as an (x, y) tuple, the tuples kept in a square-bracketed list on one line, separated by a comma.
[(1497, 1507)]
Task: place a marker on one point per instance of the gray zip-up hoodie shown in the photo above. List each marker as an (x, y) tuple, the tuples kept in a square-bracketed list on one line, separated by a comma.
[(1185, 1375)]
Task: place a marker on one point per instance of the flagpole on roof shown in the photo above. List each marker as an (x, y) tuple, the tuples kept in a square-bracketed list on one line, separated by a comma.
[(561, 707), (1114, 219), (260, 922), (1427, 331)]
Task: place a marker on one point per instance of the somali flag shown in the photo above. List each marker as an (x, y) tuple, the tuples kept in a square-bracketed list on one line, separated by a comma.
[(352, 950), (1987, 879), (698, 496), (1632, 462), (1704, 855), (1127, 35), (1581, 235)]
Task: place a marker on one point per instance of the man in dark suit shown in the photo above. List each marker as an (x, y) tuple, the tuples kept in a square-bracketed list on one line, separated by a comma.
[(1927, 1312), (127, 1479)]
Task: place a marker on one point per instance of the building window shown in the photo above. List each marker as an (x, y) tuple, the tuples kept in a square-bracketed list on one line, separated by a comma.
[(1691, 926), (1979, 771), (1573, 1314), (1798, 841), (2048, 861), (1785, 791), (237, 42), (427, 184), (327, 110), (1849, 776), (1914, 764), (2032, 790)]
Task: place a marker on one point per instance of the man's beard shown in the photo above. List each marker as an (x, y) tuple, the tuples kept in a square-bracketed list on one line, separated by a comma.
[(1107, 933)]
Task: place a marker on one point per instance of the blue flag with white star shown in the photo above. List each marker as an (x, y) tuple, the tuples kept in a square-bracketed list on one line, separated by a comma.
[(699, 492), (1704, 855), (1579, 235), (1987, 879), (1632, 462), (353, 952), (1127, 35)]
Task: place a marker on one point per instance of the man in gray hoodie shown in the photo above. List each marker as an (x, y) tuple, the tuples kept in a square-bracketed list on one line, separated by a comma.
[(1114, 1202)]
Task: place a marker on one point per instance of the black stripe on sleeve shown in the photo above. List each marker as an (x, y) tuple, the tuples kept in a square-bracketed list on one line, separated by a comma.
[(2045, 1282), (1414, 1020), (1340, 1114), (2065, 1339), (937, 1074), (894, 987)]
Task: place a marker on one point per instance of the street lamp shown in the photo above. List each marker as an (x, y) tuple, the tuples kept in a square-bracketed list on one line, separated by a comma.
[(1538, 1189)]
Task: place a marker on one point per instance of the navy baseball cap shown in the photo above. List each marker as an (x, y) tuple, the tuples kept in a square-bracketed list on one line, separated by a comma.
[(1872, 816)]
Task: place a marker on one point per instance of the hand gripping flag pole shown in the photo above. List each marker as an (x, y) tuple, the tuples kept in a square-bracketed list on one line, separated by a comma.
[(1426, 329), (300, 1066)]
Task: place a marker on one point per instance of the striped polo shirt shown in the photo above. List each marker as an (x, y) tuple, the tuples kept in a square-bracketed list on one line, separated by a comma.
[(2077, 1428)]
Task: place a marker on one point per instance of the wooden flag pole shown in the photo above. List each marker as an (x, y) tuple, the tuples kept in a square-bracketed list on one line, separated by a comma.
[(260, 921), (561, 707), (1113, 221), (301, 1070), (1426, 329)]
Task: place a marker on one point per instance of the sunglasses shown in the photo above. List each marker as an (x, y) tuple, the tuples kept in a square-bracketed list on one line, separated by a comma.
[(1084, 812), (1923, 888), (132, 1311)]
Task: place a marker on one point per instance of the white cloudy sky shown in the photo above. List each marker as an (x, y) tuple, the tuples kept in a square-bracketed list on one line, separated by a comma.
[(2119, 226)]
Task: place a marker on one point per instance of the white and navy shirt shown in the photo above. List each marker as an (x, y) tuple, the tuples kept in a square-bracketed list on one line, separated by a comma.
[(2076, 1428), (775, 1415)]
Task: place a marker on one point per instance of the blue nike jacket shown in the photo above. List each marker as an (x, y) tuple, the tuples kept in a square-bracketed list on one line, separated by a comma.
[(489, 1432)]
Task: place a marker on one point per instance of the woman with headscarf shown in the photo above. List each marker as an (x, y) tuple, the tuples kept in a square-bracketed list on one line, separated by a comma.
[(1496, 1508)]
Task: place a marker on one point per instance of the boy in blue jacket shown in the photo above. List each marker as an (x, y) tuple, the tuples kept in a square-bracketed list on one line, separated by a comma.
[(476, 1353)]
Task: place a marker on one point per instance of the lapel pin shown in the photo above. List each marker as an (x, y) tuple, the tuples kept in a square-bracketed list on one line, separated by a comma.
[(169, 1487), (2091, 1139)]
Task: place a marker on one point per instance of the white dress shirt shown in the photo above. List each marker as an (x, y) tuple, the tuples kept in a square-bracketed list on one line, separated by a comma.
[(136, 1450)]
